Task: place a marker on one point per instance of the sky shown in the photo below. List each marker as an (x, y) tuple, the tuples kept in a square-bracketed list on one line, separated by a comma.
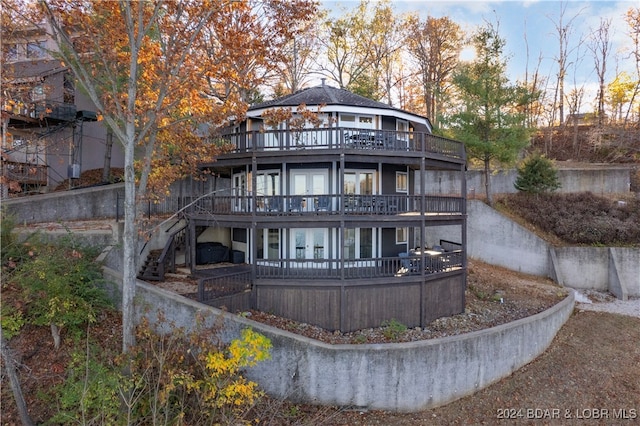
[(529, 28)]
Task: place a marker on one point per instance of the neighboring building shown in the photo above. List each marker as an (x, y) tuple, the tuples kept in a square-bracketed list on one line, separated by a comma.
[(330, 218), (50, 129)]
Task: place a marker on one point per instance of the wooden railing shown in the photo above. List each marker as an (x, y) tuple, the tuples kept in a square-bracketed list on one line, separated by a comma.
[(337, 269), (211, 288), (167, 259), (344, 138), (42, 109), (278, 205)]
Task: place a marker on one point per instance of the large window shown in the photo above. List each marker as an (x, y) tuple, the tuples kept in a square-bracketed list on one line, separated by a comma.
[(359, 182), (268, 183), (358, 243)]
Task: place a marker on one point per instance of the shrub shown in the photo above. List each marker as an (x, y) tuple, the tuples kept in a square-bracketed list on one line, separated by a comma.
[(537, 175), (61, 284), (174, 376), (393, 329)]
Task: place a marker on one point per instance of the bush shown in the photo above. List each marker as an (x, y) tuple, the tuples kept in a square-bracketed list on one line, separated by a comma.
[(174, 376), (61, 284), (580, 218), (537, 175)]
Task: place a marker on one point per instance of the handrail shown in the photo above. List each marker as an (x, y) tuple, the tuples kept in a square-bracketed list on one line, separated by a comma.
[(349, 204), (169, 247), (344, 138)]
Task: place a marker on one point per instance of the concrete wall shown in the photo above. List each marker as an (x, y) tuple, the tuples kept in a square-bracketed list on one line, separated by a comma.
[(401, 377), (495, 239), (601, 180), (79, 204)]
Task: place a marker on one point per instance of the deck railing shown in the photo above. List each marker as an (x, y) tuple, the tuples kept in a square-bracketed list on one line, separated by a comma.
[(25, 172), (344, 138), (214, 287), (278, 205), (337, 269)]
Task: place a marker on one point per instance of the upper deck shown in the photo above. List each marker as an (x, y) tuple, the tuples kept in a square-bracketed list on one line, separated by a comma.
[(324, 143)]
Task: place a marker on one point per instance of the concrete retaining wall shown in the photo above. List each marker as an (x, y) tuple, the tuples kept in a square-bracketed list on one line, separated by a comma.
[(497, 240), (79, 204), (601, 180), (403, 377)]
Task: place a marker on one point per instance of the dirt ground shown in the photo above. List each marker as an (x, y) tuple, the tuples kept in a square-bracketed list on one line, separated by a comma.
[(589, 375)]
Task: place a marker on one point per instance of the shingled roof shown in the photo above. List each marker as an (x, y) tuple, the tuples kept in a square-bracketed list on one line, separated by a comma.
[(333, 96)]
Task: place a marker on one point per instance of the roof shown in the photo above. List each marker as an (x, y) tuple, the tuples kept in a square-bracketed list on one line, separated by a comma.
[(332, 96)]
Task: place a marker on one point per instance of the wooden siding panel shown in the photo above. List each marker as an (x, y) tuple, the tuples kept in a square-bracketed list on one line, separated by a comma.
[(370, 306), (443, 297), (313, 305)]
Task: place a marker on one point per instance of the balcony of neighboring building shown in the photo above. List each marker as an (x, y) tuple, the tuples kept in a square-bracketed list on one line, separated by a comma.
[(34, 114)]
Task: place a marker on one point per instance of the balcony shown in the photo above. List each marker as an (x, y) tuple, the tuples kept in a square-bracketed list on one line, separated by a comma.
[(345, 139), (26, 173), (30, 114), (327, 204)]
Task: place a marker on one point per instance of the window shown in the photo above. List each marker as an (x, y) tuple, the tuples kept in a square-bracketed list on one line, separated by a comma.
[(10, 52), (37, 93), (402, 182), (35, 49), (402, 235), (268, 183), (358, 121), (361, 182)]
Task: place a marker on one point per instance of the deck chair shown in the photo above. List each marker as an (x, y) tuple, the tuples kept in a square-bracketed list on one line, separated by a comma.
[(324, 203), (273, 204), (295, 204)]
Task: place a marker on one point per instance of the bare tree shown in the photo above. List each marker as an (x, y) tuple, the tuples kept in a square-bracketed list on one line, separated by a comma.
[(564, 31), (600, 46), (347, 49)]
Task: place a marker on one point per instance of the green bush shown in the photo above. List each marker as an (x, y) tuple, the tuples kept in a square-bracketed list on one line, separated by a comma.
[(62, 286), (393, 329), (537, 175)]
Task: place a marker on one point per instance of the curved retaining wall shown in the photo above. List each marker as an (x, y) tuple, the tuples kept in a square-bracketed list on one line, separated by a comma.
[(401, 377)]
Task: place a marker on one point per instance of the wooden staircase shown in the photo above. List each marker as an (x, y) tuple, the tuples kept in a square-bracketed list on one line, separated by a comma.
[(150, 270), (160, 261)]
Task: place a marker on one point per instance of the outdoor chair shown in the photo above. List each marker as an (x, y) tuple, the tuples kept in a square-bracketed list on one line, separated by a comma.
[(324, 203), (274, 204), (296, 204)]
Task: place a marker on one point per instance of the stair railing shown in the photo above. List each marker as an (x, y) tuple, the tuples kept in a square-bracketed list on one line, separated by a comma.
[(167, 259)]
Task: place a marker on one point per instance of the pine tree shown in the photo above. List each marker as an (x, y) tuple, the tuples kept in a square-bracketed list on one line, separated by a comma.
[(537, 175)]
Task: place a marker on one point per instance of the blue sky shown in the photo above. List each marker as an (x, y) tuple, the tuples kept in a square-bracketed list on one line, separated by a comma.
[(537, 19)]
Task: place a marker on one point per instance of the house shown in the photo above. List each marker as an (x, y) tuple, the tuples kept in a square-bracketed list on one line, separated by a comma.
[(50, 131), (323, 210)]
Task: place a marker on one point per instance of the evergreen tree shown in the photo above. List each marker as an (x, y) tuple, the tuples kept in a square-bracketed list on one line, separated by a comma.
[(490, 119), (537, 175)]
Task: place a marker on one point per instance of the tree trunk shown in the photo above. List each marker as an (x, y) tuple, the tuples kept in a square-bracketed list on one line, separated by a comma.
[(14, 382), (55, 332), (129, 248), (106, 170), (487, 181)]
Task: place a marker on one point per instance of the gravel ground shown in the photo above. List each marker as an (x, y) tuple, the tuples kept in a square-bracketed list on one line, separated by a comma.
[(589, 300)]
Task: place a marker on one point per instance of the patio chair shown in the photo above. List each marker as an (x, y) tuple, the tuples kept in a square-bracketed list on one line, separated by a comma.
[(407, 265), (274, 204), (324, 203), (296, 204)]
